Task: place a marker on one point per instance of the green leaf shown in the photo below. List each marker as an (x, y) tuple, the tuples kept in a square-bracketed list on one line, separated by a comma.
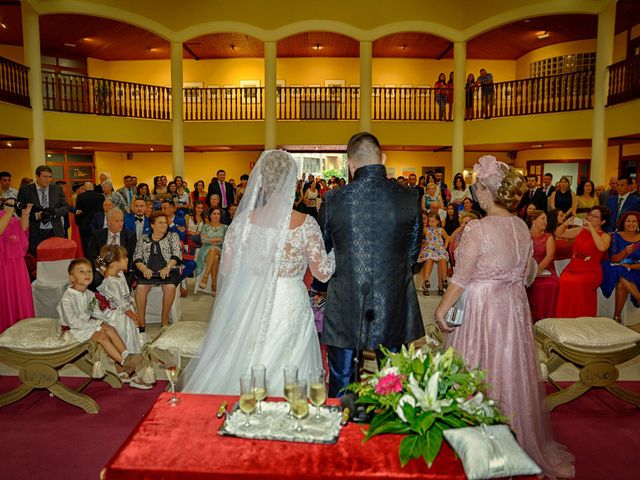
[(425, 422), (411, 446), (395, 426), (417, 367), (431, 446), (454, 422)]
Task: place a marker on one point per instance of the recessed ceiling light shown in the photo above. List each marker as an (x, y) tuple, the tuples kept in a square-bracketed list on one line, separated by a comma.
[(404, 47), (317, 46), (543, 35), (3, 26), (9, 144), (48, 155), (537, 145), (77, 148), (152, 49), (72, 45), (232, 47), (151, 149)]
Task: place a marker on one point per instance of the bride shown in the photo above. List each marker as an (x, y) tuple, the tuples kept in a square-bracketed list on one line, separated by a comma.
[(262, 314)]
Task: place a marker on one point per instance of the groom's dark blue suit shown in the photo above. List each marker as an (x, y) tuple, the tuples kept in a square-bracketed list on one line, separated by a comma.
[(375, 228)]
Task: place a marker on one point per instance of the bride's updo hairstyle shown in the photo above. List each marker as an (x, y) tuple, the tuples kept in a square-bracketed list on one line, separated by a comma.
[(506, 184), (275, 165)]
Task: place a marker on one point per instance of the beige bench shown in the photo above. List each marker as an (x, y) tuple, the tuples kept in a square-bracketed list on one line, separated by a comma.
[(596, 346)]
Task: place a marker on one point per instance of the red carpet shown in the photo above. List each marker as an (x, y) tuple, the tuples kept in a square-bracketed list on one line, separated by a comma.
[(44, 438)]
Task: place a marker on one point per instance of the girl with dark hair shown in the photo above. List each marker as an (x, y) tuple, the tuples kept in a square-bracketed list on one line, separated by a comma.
[(441, 95), (468, 100)]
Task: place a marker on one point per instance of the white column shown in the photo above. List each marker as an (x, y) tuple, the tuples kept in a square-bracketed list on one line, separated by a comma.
[(604, 57), (177, 122), (459, 80), (366, 75), (31, 41), (270, 95)]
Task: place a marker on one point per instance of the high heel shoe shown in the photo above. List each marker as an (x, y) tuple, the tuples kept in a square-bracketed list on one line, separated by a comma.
[(214, 289), (203, 282), (618, 319), (425, 288), (440, 291)]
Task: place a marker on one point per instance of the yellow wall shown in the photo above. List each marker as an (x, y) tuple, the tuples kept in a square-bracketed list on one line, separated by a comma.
[(16, 162), (12, 53), (580, 46), (570, 154)]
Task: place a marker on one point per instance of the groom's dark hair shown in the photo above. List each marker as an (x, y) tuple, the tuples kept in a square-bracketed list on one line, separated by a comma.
[(363, 148)]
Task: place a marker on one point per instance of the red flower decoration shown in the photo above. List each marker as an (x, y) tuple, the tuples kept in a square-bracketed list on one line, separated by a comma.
[(103, 303)]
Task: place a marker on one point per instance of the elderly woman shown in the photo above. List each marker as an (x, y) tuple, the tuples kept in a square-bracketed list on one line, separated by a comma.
[(543, 293), (116, 198), (621, 273), (156, 259), (212, 236)]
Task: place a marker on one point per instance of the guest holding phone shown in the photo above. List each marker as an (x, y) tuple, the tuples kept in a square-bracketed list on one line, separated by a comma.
[(621, 273)]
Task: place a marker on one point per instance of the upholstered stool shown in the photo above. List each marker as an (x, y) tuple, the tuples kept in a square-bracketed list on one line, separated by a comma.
[(183, 338), (595, 345), (37, 348)]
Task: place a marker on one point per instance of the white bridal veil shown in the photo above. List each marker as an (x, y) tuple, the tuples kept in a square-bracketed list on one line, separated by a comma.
[(251, 257)]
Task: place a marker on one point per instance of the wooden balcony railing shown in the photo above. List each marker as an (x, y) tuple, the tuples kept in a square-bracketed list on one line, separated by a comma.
[(14, 83), (78, 94), (229, 103), (624, 81), (411, 103), (318, 103), (555, 93)]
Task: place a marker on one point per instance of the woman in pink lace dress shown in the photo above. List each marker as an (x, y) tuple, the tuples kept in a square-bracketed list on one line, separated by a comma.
[(492, 262)]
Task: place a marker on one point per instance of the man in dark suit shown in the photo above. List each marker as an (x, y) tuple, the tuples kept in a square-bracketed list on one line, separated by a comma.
[(412, 182), (223, 189), (611, 192), (547, 184), (114, 234), (535, 195), (88, 203), (375, 228), (136, 221), (623, 202), (49, 208)]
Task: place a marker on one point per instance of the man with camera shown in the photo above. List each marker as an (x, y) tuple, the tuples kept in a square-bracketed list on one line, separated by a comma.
[(49, 208)]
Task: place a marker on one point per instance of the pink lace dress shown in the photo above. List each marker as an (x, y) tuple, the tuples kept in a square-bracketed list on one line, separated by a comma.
[(497, 334)]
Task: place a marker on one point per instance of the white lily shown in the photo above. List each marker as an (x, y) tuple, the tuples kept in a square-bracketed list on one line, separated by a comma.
[(404, 400), (428, 399), (477, 405)]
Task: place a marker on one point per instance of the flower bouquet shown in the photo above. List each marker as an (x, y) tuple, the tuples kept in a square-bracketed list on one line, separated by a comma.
[(421, 395)]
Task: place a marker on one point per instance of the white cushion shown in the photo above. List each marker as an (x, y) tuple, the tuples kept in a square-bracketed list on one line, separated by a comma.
[(588, 332), (183, 337), (493, 454), (37, 334)]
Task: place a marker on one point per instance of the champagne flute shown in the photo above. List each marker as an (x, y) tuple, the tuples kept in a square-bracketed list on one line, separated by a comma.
[(290, 379), (172, 370), (317, 391), (299, 403), (247, 398), (259, 373)]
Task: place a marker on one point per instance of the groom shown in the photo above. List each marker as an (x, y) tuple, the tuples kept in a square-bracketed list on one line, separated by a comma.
[(375, 227)]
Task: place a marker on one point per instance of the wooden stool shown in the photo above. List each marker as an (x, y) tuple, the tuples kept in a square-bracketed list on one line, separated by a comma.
[(595, 345)]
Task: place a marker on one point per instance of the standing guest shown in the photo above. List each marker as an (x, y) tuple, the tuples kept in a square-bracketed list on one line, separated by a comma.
[(101, 178), (547, 185), (100, 219), (312, 199), (128, 192), (611, 192), (587, 198), (51, 205), (77, 188), (623, 201), (209, 254), (485, 82), (366, 283), (434, 250), (446, 194), (469, 91), (543, 292), (136, 221), (492, 262), (232, 214), (563, 198), (413, 183), (142, 191), (158, 187), (244, 178), (199, 194), (441, 96), (450, 95), (621, 273), (535, 196), (157, 258), (600, 189), (15, 285), (342, 182), (134, 182), (6, 191), (65, 220), (172, 192), (88, 204), (223, 189), (581, 278), (180, 183), (25, 181), (459, 191), (118, 201)]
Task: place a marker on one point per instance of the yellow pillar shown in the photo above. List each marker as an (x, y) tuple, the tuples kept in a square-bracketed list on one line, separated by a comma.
[(366, 74), (270, 95), (604, 57), (177, 122), (459, 80), (31, 41)]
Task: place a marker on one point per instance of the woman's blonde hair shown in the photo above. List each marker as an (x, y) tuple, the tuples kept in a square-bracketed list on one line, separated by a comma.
[(511, 190)]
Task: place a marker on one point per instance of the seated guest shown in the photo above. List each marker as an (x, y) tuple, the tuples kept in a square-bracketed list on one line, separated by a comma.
[(142, 191), (136, 221), (543, 293), (99, 220), (199, 193), (432, 195), (149, 206), (621, 273), (244, 178), (209, 254), (176, 224), (581, 278), (195, 222), (114, 234), (214, 202), (231, 215), (156, 259)]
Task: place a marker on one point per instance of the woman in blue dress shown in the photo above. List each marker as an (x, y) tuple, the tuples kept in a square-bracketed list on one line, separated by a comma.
[(621, 272)]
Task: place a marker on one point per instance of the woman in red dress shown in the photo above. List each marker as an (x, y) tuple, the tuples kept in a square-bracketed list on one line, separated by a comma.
[(543, 293), (580, 280)]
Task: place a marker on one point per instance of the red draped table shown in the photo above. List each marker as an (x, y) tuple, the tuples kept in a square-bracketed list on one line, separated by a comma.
[(182, 443)]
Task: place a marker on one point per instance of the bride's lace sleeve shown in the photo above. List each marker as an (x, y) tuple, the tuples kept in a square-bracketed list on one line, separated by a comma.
[(321, 263)]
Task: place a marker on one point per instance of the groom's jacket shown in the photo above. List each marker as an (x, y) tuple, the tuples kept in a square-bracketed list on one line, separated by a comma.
[(375, 227)]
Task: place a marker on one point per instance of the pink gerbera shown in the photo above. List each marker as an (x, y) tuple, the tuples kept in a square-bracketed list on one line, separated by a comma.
[(390, 383)]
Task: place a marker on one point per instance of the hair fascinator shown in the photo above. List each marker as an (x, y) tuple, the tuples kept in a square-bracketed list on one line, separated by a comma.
[(490, 172)]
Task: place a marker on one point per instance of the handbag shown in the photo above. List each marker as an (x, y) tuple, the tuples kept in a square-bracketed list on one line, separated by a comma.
[(455, 315)]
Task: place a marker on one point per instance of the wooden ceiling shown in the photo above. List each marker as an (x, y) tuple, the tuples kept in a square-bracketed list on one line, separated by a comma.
[(104, 39)]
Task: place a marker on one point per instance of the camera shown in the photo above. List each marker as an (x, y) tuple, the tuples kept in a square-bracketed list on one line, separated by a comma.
[(10, 202)]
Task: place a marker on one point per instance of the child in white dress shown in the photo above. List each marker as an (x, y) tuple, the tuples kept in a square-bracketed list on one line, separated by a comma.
[(121, 312), (79, 311)]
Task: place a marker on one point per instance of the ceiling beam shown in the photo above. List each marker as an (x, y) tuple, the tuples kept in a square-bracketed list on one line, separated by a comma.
[(190, 52), (445, 51)]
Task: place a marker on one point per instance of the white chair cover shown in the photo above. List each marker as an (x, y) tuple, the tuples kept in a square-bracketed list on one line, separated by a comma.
[(154, 306)]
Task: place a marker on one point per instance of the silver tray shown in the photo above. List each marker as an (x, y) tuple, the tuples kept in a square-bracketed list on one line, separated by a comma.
[(274, 424)]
